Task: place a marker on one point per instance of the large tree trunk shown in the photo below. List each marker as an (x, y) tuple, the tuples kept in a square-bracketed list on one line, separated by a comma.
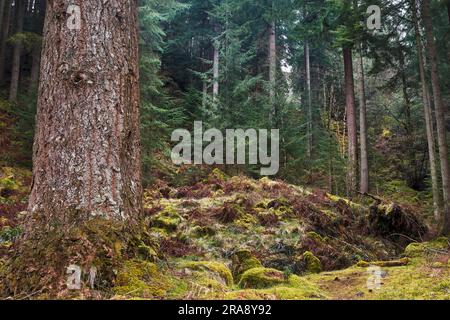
[(364, 179), (428, 116), (86, 190), (3, 37), (440, 115), (15, 71), (272, 66), (352, 166), (308, 89), (87, 145)]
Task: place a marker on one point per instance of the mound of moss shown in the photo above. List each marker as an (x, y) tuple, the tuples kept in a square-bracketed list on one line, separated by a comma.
[(295, 288), (393, 220), (168, 219), (260, 278), (202, 231), (242, 261), (196, 247), (416, 249), (219, 270), (312, 263), (9, 183), (141, 279)]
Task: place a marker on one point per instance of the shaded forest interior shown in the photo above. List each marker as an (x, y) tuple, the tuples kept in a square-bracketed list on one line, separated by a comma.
[(232, 64), (363, 114)]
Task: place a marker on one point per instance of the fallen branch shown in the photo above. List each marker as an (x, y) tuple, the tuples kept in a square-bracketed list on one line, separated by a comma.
[(387, 264), (377, 199)]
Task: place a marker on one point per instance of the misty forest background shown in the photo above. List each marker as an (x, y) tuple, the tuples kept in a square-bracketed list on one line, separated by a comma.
[(272, 64)]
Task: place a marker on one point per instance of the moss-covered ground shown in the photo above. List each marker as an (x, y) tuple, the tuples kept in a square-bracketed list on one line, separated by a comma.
[(238, 238)]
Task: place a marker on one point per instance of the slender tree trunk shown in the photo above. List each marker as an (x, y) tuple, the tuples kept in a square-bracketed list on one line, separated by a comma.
[(205, 82), (2, 11), (351, 123), (411, 174), (272, 66), (34, 76), (3, 37), (428, 116), (308, 89), (216, 73), (364, 179), (204, 94), (448, 35), (364, 161), (15, 72), (407, 109), (448, 10), (440, 115), (329, 108), (38, 13)]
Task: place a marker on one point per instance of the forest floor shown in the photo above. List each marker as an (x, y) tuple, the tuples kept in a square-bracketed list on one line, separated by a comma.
[(239, 238)]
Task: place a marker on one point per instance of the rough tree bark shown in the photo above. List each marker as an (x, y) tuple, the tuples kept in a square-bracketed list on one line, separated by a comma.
[(440, 115), (87, 144), (15, 71), (428, 116), (3, 37), (86, 194), (352, 167)]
